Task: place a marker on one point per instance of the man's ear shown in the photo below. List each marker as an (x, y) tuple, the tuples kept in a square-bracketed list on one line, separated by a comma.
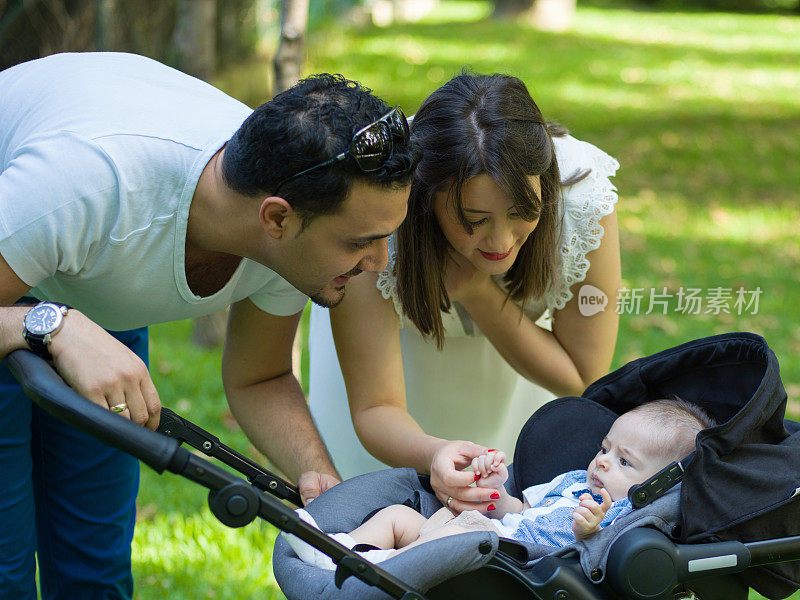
[(275, 214)]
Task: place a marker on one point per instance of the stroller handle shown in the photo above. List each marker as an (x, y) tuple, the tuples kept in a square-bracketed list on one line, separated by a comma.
[(183, 430), (46, 388), (231, 500)]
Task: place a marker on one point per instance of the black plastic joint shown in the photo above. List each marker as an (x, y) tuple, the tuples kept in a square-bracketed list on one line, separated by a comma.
[(655, 487)]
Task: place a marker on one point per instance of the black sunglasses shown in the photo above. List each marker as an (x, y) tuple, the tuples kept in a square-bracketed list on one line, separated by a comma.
[(370, 147)]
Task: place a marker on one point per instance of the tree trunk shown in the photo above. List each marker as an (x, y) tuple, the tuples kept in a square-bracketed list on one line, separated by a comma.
[(290, 56), (547, 15), (209, 331), (510, 9), (195, 37), (110, 33)]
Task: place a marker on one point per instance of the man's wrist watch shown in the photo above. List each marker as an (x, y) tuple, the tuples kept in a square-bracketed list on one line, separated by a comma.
[(41, 323)]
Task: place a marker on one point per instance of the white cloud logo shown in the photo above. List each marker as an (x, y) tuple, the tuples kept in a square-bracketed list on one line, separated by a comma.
[(591, 300)]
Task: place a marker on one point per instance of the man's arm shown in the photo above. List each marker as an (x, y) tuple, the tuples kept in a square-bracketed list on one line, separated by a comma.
[(77, 349), (266, 398), (12, 288)]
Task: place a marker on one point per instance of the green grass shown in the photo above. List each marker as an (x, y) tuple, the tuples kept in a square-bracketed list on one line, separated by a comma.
[(702, 110)]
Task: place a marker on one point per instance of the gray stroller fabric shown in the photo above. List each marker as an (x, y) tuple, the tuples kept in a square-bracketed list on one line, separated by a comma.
[(346, 506), (740, 484)]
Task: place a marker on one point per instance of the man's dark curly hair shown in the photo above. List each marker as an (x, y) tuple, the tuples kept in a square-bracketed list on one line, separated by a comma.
[(307, 124)]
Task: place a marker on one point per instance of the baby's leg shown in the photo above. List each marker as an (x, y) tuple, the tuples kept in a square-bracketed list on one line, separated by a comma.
[(435, 534), (392, 527), (399, 526)]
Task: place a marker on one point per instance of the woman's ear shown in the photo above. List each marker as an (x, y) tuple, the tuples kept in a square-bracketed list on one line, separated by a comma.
[(275, 214)]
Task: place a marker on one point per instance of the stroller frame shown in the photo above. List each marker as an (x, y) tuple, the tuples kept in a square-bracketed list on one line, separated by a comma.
[(236, 502), (232, 500)]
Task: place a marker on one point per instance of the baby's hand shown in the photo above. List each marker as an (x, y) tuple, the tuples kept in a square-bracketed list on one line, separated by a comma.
[(490, 469), (586, 518)]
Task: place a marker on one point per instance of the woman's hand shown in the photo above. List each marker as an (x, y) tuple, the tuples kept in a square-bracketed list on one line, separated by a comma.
[(492, 469), (463, 282), (450, 481)]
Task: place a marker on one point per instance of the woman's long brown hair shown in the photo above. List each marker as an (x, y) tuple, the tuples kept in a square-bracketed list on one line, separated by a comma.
[(473, 125)]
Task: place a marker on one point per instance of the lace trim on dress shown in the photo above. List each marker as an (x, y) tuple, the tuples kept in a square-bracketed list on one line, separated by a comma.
[(387, 284), (581, 224)]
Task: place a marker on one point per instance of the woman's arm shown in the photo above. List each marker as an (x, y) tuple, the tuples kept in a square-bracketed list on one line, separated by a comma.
[(366, 333), (579, 349)]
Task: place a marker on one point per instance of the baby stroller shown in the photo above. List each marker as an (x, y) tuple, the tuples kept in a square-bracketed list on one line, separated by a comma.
[(723, 520)]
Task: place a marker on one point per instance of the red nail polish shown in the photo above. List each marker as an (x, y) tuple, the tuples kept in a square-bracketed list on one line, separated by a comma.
[(477, 476), (492, 450), (495, 496), (491, 507)]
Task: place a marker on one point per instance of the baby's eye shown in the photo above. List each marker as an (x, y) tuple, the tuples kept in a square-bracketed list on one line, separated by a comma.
[(603, 449), (623, 462)]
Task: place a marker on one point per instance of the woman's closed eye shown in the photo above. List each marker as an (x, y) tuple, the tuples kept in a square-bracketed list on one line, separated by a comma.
[(478, 223)]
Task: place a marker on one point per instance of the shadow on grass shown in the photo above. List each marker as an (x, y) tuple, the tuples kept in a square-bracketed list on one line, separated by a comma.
[(693, 122), (660, 7)]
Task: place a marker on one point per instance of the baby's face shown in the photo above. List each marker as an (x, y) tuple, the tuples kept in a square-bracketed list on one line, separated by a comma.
[(625, 458)]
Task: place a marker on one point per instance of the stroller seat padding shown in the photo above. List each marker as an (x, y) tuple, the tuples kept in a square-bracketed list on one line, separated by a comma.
[(742, 482), (344, 507)]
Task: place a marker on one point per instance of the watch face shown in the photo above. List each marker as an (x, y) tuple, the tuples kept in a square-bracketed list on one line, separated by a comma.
[(42, 319)]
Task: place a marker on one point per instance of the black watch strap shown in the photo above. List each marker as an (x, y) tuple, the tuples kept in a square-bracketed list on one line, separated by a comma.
[(37, 345)]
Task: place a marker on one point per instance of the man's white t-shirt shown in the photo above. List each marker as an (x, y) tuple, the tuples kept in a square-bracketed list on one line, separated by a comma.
[(100, 154)]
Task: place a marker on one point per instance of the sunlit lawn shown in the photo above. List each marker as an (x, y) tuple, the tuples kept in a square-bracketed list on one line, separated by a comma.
[(703, 113)]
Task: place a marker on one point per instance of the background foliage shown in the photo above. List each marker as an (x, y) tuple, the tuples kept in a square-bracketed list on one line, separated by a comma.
[(700, 107), (701, 110)]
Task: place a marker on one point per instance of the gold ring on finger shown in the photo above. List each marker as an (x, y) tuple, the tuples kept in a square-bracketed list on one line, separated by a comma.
[(118, 408), (449, 500)]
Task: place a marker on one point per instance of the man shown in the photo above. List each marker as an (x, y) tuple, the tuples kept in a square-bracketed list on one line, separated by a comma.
[(136, 194)]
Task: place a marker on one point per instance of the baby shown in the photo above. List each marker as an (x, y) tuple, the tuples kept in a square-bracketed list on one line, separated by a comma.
[(573, 506)]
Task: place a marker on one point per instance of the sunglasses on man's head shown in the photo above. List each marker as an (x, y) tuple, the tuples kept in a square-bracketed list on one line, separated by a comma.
[(370, 147)]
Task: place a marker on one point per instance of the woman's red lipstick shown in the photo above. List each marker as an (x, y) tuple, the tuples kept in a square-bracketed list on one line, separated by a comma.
[(494, 255)]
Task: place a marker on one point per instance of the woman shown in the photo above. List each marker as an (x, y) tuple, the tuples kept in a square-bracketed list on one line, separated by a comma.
[(445, 344)]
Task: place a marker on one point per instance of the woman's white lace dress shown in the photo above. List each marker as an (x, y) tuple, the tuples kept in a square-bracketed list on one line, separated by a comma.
[(467, 391)]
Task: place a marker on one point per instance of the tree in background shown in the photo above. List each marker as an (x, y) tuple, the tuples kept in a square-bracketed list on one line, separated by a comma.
[(194, 38), (290, 56), (160, 29), (547, 15)]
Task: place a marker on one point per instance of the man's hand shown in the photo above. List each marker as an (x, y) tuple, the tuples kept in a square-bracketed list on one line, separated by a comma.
[(311, 484), (586, 518), (104, 370)]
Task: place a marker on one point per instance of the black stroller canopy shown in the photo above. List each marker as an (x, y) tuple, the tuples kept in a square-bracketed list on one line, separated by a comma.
[(737, 486), (743, 481)]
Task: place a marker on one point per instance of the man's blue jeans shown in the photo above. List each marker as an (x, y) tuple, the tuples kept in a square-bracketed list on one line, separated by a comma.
[(66, 497)]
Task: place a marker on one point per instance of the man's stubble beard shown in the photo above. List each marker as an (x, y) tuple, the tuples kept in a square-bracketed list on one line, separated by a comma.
[(325, 302)]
